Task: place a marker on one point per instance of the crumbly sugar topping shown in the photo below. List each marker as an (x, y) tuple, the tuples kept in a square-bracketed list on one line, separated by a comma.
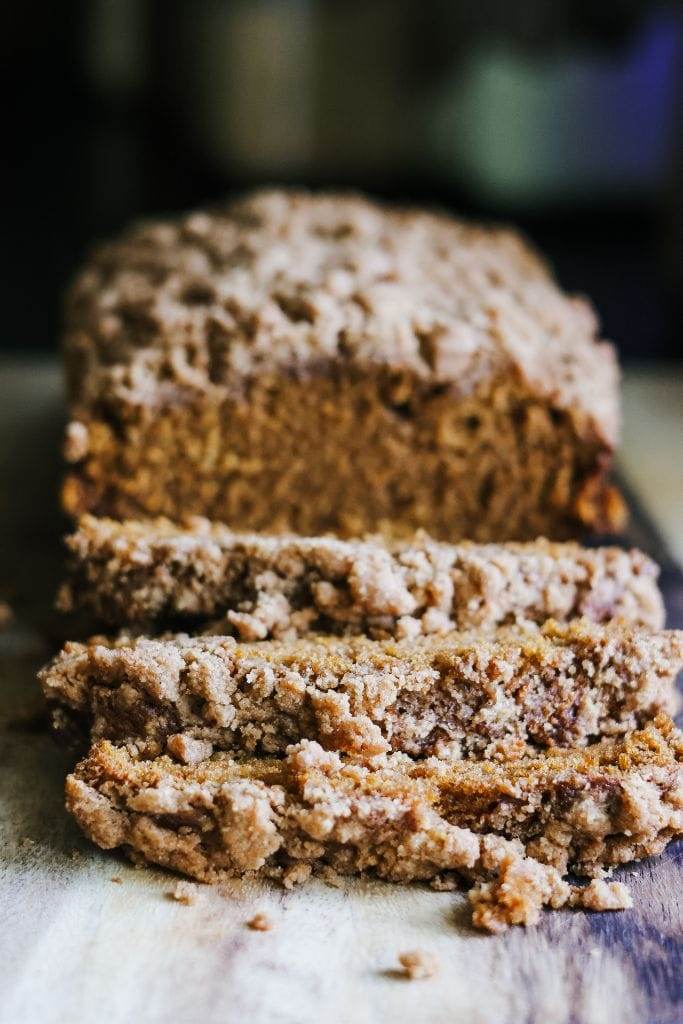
[(298, 283), (284, 817), (463, 694), (260, 585)]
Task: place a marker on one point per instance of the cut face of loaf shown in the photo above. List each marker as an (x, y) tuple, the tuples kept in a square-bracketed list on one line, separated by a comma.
[(458, 695), (157, 574), (316, 363), (512, 828)]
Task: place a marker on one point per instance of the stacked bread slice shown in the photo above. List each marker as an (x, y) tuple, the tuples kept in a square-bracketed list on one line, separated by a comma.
[(489, 714), (283, 702)]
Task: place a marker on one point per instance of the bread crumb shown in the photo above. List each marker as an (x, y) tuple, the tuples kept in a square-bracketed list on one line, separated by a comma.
[(27, 842), (117, 880), (417, 965), (188, 750), (601, 895), (260, 922), (184, 893)]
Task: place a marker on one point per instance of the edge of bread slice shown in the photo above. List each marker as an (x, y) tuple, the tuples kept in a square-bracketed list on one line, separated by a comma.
[(259, 585), (463, 694), (511, 830)]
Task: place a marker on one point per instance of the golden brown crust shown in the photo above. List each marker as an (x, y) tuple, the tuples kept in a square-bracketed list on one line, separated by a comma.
[(584, 810), (260, 585), (457, 695)]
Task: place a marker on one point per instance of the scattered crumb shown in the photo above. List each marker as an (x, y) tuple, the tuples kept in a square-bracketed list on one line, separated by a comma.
[(76, 854), (184, 893), (117, 880), (6, 614), (417, 965), (260, 922), (188, 750), (601, 895)]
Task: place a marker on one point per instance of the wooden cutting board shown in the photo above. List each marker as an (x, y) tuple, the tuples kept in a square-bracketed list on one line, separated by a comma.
[(86, 937)]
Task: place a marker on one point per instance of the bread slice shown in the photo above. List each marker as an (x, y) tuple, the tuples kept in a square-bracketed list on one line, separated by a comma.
[(321, 362), (459, 695), (257, 585), (513, 828)]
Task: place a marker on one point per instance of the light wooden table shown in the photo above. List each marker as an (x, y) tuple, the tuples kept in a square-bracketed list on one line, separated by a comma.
[(77, 947)]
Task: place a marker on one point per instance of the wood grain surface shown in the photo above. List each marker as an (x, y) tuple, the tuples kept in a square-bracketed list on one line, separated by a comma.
[(84, 936)]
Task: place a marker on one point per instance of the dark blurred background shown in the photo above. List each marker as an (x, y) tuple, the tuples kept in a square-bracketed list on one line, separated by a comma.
[(561, 116)]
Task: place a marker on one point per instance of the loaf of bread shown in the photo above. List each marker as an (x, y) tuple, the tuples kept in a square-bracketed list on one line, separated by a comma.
[(321, 363)]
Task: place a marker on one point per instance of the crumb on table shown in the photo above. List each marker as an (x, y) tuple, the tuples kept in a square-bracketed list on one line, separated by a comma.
[(417, 964), (260, 922), (184, 893), (601, 895), (117, 880)]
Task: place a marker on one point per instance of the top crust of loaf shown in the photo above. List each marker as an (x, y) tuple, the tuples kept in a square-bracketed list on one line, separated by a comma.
[(298, 283)]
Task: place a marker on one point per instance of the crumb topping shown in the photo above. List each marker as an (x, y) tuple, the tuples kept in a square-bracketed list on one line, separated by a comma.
[(259, 585), (463, 694), (510, 832), (292, 282)]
